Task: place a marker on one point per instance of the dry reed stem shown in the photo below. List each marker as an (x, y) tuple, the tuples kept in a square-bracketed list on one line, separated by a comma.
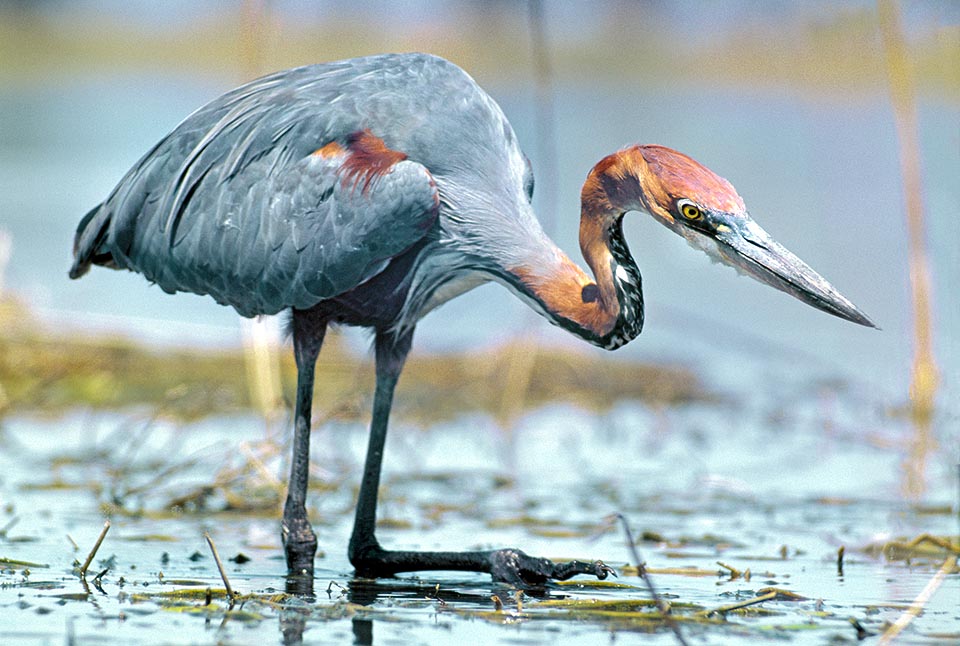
[(943, 543), (662, 605), (254, 23), (518, 375), (93, 552), (216, 559), (898, 550), (262, 361), (924, 377), (734, 572), (904, 620)]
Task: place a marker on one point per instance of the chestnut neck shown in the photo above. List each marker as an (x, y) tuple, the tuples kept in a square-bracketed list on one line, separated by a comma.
[(606, 310)]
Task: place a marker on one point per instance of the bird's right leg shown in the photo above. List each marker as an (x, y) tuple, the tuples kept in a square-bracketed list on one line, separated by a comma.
[(371, 560), (299, 541)]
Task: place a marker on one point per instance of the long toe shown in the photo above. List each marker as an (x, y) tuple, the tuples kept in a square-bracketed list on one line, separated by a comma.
[(517, 568), (599, 569)]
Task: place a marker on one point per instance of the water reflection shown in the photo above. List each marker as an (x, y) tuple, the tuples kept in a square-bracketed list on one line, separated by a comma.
[(389, 597)]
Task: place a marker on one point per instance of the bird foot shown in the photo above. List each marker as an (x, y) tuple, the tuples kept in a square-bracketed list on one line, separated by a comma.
[(299, 545), (514, 567), (505, 565)]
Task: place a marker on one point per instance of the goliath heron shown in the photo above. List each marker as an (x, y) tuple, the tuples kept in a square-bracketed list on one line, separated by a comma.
[(369, 191)]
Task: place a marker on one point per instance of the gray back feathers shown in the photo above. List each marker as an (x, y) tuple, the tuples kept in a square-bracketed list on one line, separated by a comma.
[(233, 202)]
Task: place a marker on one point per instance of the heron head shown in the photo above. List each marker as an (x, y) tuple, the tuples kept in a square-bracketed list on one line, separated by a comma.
[(706, 210)]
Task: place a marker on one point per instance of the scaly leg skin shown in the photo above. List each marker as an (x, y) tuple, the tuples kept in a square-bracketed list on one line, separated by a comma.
[(299, 541), (504, 565), (299, 544), (372, 561)]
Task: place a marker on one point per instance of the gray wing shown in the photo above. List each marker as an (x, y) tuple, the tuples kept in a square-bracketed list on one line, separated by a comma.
[(238, 203), (292, 239)]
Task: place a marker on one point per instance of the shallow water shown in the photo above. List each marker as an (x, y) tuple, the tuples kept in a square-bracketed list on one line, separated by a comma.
[(773, 489)]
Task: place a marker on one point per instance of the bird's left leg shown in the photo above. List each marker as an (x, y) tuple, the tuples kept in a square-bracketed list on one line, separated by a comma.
[(299, 541), (371, 560)]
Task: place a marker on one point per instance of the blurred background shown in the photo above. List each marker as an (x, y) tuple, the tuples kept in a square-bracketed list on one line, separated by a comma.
[(789, 101)]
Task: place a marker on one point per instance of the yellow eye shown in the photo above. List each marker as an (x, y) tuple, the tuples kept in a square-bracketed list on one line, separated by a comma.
[(691, 212)]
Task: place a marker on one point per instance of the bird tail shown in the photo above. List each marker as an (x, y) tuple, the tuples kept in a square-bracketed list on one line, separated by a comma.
[(88, 242)]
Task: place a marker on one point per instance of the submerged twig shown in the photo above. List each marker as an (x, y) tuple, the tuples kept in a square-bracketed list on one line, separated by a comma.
[(662, 605), (216, 558), (93, 552), (769, 596), (734, 572), (918, 604)]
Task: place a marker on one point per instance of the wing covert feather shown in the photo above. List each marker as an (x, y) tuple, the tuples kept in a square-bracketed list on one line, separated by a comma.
[(295, 237)]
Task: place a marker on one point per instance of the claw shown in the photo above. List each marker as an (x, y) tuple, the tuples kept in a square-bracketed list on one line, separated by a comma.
[(603, 570)]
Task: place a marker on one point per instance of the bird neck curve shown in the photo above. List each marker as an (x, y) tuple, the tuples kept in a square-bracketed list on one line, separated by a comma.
[(607, 310)]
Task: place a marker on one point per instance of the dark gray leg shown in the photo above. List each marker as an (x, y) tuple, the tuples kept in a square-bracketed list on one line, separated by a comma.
[(371, 560), (390, 355), (299, 541)]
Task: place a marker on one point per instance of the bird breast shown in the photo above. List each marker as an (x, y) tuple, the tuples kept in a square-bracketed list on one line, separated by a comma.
[(459, 284)]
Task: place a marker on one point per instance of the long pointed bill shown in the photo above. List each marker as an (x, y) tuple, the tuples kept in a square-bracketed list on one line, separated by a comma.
[(751, 249)]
